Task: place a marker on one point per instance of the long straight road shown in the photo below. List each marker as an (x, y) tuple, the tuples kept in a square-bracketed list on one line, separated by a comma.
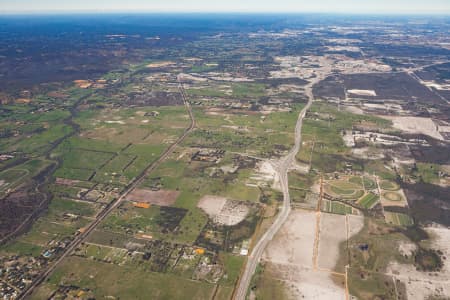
[(282, 167), (137, 181)]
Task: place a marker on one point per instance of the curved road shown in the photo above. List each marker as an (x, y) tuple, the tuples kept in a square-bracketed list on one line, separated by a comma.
[(282, 167)]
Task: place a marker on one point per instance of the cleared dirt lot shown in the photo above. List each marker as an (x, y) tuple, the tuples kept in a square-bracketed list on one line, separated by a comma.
[(290, 255), (333, 231), (355, 224), (161, 197), (222, 210), (294, 243), (304, 283), (416, 125), (422, 285)]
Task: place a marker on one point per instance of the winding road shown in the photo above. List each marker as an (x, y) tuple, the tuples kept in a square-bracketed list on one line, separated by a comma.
[(282, 167)]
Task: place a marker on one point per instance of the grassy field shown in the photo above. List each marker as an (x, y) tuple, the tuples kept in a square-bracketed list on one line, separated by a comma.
[(382, 240), (155, 221), (389, 185), (369, 200), (19, 174), (306, 149), (233, 266), (39, 143), (11, 178), (248, 90), (392, 196), (59, 206), (336, 208), (76, 174), (85, 159), (379, 168), (233, 90), (344, 189), (373, 286), (21, 248), (330, 153), (267, 286), (256, 136), (121, 281), (369, 183), (55, 225), (193, 181), (357, 180), (109, 167), (398, 219)]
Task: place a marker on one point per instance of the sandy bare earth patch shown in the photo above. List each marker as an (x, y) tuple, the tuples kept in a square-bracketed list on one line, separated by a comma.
[(421, 285), (368, 153), (222, 210), (333, 231), (354, 110), (289, 256), (189, 77), (406, 248), (266, 173), (304, 283), (416, 125), (371, 93), (115, 122), (294, 243), (160, 64), (355, 224), (161, 197), (440, 239), (211, 205)]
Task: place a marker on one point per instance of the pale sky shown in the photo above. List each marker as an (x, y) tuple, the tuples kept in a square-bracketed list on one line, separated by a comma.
[(325, 6)]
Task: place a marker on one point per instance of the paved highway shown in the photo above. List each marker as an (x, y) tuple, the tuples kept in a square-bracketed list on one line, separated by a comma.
[(282, 167)]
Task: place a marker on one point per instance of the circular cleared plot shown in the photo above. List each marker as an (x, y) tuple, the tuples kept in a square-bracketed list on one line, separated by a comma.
[(344, 190), (389, 185), (341, 191), (391, 196)]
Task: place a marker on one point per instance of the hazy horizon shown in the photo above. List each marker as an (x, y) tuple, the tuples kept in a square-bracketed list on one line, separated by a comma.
[(385, 7)]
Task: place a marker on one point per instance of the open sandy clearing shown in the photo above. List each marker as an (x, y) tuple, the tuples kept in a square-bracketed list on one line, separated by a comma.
[(289, 257), (161, 197), (161, 64), (223, 211), (421, 285), (294, 243), (440, 239), (416, 125), (371, 93), (266, 173), (355, 224), (333, 231), (304, 283)]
